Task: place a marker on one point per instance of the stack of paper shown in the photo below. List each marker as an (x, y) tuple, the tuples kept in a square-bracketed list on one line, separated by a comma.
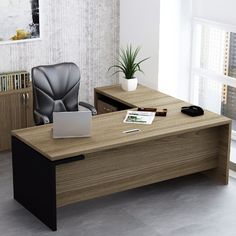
[(139, 117)]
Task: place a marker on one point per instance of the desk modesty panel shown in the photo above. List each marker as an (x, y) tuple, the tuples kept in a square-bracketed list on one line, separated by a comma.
[(65, 171)]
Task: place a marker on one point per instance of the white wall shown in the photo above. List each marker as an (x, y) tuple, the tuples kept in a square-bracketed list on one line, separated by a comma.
[(175, 47), (82, 31), (216, 10), (164, 26), (139, 25), (163, 29)]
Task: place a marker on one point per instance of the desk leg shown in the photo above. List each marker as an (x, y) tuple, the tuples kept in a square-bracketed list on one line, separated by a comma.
[(221, 173), (34, 182), (224, 153)]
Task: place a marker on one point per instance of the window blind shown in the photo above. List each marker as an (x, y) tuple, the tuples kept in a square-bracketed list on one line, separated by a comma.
[(212, 48), (229, 104)]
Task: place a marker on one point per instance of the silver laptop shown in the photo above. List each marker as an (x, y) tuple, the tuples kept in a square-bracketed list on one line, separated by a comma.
[(72, 124)]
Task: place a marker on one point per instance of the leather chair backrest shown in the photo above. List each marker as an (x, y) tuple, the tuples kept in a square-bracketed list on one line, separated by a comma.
[(55, 88)]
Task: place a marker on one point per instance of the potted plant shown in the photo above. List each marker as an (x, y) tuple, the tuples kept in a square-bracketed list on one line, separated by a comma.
[(128, 65)]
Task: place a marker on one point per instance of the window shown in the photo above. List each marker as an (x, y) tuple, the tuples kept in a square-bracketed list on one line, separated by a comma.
[(213, 81), (213, 84), (229, 96)]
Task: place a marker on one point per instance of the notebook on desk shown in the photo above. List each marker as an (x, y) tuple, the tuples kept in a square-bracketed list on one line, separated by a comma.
[(72, 124)]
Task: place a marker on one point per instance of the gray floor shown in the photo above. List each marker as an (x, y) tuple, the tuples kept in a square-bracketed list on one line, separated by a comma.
[(188, 206)]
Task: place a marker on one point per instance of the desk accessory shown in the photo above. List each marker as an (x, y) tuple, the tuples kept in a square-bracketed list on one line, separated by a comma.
[(139, 117), (128, 65), (192, 111), (131, 131), (147, 109), (162, 112), (72, 124)]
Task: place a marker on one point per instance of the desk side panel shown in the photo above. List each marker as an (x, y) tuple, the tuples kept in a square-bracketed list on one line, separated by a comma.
[(34, 182), (136, 165), (221, 173), (224, 153)]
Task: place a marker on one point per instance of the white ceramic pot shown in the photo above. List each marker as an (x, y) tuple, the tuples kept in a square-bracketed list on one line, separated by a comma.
[(129, 84)]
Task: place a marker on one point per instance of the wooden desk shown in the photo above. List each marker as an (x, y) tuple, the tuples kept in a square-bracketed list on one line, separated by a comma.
[(49, 173)]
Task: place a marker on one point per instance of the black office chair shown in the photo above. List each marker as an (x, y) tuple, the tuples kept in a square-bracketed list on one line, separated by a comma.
[(56, 89)]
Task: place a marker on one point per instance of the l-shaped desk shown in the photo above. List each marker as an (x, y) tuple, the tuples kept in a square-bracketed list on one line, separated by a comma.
[(49, 173)]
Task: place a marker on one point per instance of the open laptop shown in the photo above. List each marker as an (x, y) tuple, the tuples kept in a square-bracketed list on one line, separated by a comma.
[(72, 124)]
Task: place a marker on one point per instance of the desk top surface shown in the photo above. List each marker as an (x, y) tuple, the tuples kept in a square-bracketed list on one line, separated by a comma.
[(107, 131)]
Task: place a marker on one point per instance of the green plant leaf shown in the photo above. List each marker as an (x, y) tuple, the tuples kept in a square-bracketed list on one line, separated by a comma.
[(127, 62)]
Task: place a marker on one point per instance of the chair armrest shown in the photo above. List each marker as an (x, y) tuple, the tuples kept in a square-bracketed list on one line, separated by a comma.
[(40, 119), (90, 107)]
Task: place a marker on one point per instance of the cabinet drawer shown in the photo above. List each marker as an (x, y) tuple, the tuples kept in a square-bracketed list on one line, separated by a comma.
[(104, 107)]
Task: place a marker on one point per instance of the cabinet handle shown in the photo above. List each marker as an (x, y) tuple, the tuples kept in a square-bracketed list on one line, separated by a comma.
[(27, 99), (23, 99)]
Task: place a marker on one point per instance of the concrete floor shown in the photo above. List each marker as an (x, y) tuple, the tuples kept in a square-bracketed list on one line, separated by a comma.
[(192, 205)]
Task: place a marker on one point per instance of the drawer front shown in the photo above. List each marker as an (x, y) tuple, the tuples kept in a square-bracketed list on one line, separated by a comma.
[(136, 165), (103, 107)]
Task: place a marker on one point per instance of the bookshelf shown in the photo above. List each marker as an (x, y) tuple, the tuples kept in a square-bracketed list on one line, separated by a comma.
[(16, 107), (14, 80)]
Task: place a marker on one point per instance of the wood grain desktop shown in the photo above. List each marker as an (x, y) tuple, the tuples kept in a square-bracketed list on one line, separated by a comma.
[(111, 161)]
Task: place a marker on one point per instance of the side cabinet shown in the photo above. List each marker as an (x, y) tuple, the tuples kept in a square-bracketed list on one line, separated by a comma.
[(106, 104), (5, 121), (15, 113)]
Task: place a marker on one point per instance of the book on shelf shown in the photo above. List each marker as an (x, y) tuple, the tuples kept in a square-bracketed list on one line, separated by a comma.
[(14, 80)]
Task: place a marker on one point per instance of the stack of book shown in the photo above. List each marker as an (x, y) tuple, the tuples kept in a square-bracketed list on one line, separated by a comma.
[(14, 80)]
